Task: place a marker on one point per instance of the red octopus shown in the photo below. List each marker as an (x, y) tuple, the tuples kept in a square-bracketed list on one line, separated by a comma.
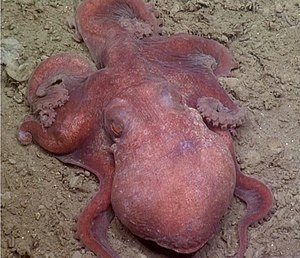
[(151, 122)]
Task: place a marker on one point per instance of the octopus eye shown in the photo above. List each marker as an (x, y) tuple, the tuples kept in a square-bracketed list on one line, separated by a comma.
[(116, 129), (117, 117)]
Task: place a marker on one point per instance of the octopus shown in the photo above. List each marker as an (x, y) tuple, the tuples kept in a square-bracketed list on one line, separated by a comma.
[(150, 119)]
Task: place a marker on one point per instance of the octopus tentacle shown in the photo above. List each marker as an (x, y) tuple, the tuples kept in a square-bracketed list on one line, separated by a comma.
[(92, 226), (254, 193), (31, 129), (216, 114), (190, 52), (47, 87), (52, 130), (93, 222), (66, 133), (258, 198), (109, 27), (24, 133), (50, 95), (56, 67), (72, 25), (192, 65), (136, 17), (47, 138)]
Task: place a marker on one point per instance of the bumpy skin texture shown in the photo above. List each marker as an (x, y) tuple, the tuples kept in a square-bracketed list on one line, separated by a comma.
[(151, 122)]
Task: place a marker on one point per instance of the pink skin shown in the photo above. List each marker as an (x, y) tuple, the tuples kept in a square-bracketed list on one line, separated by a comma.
[(152, 124), (167, 173)]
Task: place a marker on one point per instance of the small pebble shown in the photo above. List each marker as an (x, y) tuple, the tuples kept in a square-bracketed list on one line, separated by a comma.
[(12, 161), (278, 8), (74, 181), (230, 82), (47, 26), (58, 39), (76, 254), (21, 72), (275, 145), (9, 92), (10, 50), (87, 173), (6, 198), (41, 207), (175, 9), (44, 57), (18, 97), (37, 216), (253, 158), (293, 222), (275, 235)]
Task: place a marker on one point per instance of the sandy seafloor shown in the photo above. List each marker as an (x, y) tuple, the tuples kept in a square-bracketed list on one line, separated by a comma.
[(41, 196)]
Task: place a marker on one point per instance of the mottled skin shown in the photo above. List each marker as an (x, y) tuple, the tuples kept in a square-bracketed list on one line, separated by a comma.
[(151, 122)]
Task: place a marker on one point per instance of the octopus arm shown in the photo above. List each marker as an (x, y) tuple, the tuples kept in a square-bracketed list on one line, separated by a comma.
[(218, 115), (94, 220), (93, 155), (253, 192), (190, 52), (258, 199), (105, 25), (31, 129), (53, 70), (192, 65)]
